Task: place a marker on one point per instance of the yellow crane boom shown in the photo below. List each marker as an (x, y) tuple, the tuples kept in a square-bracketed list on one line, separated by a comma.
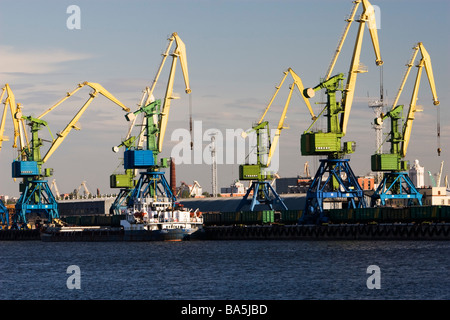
[(97, 88), (179, 53), (147, 96), (372, 29), (297, 83), (368, 16), (18, 122), (425, 61)]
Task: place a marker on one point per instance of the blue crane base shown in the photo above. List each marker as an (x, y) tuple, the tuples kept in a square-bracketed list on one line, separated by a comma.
[(321, 189), (120, 203), (4, 214), (151, 183), (36, 198), (396, 185), (263, 193)]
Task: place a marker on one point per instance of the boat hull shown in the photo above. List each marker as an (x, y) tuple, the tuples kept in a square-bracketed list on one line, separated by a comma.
[(119, 234), (162, 235), (81, 234)]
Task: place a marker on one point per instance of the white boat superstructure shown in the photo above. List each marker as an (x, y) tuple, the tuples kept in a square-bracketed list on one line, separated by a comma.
[(163, 216)]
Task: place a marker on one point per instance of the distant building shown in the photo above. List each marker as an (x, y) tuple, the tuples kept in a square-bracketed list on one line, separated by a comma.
[(292, 185), (367, 182), (192, 190), (285, 185), (237, 189), (435, 196), (417, 174), (432, 196)]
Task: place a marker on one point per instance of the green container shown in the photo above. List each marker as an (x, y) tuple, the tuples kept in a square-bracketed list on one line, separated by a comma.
[(268, 216), (103, 220), (87, 220), (212, 218), (257, 217), (367, 214), (395, 214), (444, 213), (341, 215), (249, 217), (115, 219), (421, 213), (230, 218), (290, 216), (72, 220)]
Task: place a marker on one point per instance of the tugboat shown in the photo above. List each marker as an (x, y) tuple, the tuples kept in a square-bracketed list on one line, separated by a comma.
[(152, 219)]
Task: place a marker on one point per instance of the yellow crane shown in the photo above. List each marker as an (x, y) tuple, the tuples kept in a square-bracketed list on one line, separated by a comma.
[(338, 113), (263, 193), (97, 89), (369, 16), (400, 138), (425, 62), (396, 181), (154, 125), (19, 133), (297, 83), (35, 193), (18, 122), (179, 53), (328, 143)]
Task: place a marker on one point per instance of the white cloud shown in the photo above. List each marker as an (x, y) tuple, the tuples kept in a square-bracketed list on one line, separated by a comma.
[(14, 61)]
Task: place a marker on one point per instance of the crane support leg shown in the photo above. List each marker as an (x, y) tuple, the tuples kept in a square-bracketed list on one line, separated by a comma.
[(151, 184), (263, 193), (120, 203), (36, 198), (396, 185), (4, 214), (340, 183)]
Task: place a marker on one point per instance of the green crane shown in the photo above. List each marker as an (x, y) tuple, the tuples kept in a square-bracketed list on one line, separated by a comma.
[(35, 194), (152, 182), (334, 177), (396, 184), (263, 193)]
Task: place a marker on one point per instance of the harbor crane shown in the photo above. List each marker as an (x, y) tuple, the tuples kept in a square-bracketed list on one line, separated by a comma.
[(306, 170), (396, 183), (53, 185), (16, 112), (152, 182), (87, 193), (263, 192), (36, 195), (19, 134), (438, 181), (334, 177)]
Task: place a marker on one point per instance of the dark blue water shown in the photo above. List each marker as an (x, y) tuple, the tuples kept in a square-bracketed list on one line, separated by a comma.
[(211, 270)]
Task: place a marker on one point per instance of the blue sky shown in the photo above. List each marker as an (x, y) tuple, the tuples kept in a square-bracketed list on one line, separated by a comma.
[(236, 51)]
